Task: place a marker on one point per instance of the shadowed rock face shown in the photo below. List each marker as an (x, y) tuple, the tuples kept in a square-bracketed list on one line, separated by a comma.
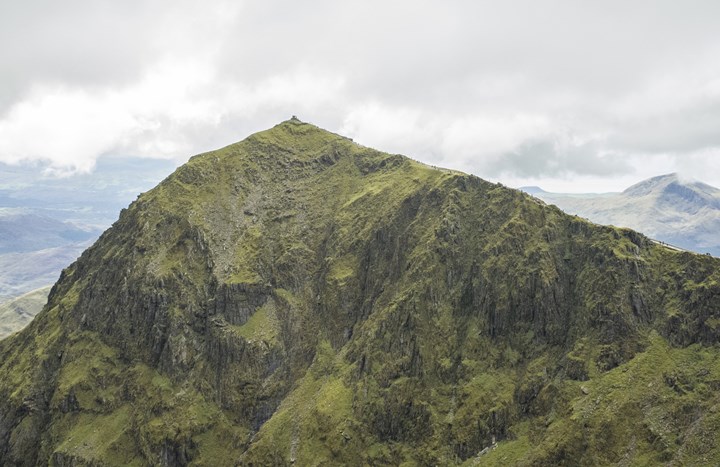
[(298, 298)]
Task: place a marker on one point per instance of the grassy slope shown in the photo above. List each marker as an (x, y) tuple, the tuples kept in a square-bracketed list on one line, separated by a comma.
[(408, 315)]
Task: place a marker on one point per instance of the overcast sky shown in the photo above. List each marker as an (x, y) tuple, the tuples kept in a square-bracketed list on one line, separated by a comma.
[(568, 95)]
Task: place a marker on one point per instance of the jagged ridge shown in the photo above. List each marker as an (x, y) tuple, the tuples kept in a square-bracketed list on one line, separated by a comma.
[(299, 298)]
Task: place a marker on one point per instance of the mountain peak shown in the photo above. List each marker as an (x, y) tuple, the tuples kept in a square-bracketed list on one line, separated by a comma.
[(296, 137), (650, 185), (671, 189)]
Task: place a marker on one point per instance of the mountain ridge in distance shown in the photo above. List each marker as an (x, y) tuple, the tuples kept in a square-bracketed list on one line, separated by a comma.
[(23, 231), (33, 250), (46, 222), (23, 272), (296, 298), (666, 207)]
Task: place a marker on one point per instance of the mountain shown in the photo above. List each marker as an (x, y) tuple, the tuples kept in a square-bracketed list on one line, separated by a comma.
[(297, 298), (682, 213), (17, 313)]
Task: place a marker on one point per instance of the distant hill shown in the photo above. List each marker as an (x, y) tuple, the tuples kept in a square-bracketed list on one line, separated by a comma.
[(667, 208), (34, 248), (22, 272), (17, 313), (23, 231), (46, 222)]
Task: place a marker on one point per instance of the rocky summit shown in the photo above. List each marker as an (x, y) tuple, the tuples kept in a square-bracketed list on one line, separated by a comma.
[(297, 298)]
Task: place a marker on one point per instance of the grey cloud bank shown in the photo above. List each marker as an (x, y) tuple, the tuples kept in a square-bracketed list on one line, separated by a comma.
[(566, 95)]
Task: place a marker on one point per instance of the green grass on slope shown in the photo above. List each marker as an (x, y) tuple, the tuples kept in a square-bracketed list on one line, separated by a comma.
[(315, 421), (119, 414), (18, 312), (662, 406)]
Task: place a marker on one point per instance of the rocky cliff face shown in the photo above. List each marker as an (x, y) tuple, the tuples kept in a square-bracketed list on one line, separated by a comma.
[(297, 298)]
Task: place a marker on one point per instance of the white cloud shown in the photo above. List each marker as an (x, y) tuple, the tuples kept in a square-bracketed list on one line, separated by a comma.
[(471, 143), (156, 117), (70, 129), (523, 90)]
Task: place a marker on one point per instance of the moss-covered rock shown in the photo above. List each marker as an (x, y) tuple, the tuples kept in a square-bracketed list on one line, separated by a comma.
[(298, 298)]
